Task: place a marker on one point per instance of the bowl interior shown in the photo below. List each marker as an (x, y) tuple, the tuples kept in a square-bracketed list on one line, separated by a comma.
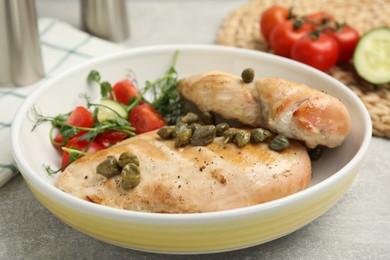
[(61, 94)]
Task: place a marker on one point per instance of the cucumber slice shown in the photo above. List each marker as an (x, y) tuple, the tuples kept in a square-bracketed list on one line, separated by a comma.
[(110, 110), (372, 56)]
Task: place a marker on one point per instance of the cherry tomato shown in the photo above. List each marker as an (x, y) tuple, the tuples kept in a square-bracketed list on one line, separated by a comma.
[(347, 39), (59, 140), (320, 53), (145, 118), (124, 91), (284, 35), (320, 18), (272, 17), (110, 138), (81, 117), (79, 145)]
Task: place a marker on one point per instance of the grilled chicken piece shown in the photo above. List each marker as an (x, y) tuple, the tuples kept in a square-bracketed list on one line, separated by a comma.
[(177, 180), (225, 94), (294, 110)]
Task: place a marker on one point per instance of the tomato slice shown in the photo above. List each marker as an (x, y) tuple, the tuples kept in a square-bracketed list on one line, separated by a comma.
[(110, 138), (79, 145), (59, 140), (145, 118), (80, 117), (124, 91)]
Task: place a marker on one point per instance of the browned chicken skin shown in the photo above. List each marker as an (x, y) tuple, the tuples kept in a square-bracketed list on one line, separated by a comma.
[(192, 178), (294, 110)]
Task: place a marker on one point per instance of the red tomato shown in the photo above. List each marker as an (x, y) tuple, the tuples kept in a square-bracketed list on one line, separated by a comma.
[(79, 145), (59, 140), (272, 17), (320, 53), (320, 18), (110, 138), (284, 35), (124, 91), (81, 117), (145, 118), (347, 39)]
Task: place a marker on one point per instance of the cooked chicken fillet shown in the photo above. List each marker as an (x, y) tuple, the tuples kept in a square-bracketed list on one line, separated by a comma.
[(294, 110), (192, 178)]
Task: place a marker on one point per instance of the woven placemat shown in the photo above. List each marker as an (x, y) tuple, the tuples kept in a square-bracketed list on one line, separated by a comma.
[(241, 29)]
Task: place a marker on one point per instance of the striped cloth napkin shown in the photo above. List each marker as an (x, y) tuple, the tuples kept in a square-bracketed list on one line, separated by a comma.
[(62, 47)]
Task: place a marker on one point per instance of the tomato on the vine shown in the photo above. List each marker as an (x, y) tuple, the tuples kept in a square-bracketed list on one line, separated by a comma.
[(290, 36), (347, 39), (319, 52), (272, 17), (320, 18), (285, 34)]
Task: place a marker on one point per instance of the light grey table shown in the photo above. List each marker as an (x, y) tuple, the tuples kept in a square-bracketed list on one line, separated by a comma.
[(357, 227)]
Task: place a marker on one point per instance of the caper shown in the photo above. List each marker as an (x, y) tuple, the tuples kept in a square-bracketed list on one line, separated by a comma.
[(208, 118), (247, 75), (203, 135), (108, 167), (258, 135), (221, 128), (190, 118), (278, 143), (316, 153), (165, 132), (183, 137), (127, 157), (194, 126), (180, 126), (130, 175), (228, 135), (242, 138)]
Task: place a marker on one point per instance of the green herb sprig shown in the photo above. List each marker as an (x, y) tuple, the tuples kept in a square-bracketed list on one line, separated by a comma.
[(74, 154), (105, 86), (68, 131), (165, 97)]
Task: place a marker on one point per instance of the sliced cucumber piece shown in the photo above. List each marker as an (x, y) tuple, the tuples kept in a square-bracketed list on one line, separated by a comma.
[(372, 56), (110, 110)]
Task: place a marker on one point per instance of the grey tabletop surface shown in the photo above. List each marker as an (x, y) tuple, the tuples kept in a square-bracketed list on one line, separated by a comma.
[(357, 227)]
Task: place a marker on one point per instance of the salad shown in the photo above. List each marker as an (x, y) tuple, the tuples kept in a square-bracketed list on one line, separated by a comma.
[(122, 112)]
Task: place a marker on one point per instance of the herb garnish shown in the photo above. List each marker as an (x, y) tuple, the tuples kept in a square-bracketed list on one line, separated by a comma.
[(69, 131), (165, 99)]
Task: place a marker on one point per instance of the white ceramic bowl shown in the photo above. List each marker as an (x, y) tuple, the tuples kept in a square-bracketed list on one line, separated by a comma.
[(186, 233)]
